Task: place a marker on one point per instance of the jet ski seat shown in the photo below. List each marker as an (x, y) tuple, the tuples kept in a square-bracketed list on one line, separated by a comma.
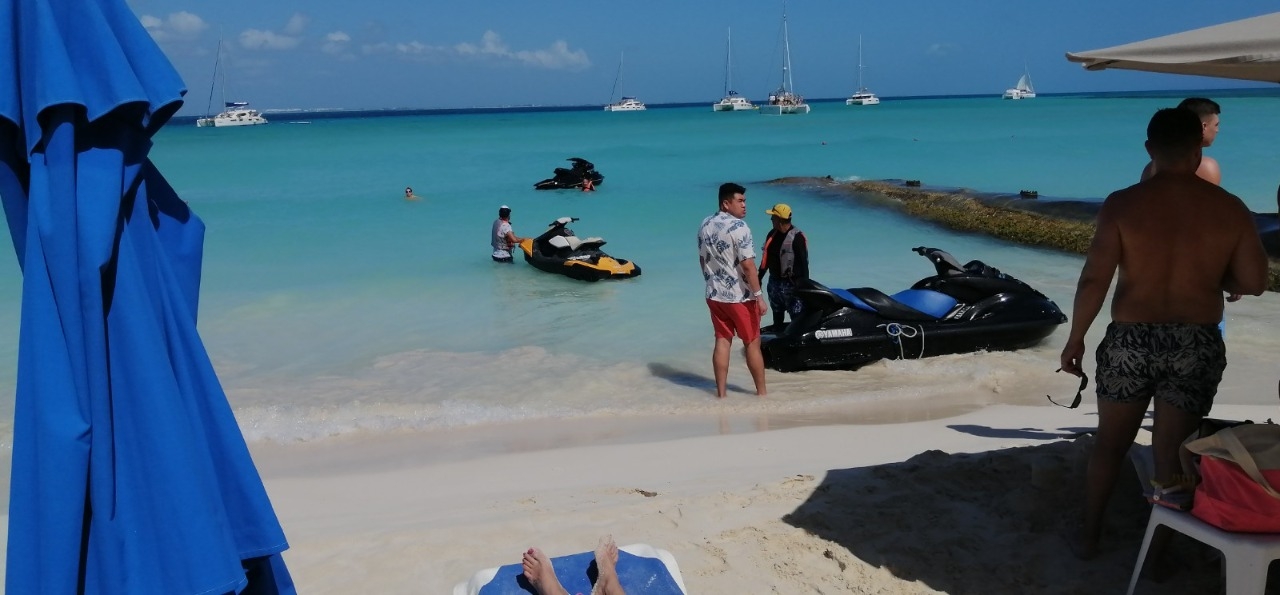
[(574, 243), (564, 242), (909, 304)]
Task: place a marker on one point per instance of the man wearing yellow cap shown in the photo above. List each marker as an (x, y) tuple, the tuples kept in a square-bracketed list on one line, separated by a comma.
[(786, 260)]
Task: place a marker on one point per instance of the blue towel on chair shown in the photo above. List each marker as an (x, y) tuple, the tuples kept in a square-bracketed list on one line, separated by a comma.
[(637, 574)]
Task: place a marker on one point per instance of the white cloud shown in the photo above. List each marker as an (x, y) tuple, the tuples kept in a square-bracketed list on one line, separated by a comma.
[(336, 43), (556, 56), (491, 47), (257, 39), (297, 24), (177, 26)]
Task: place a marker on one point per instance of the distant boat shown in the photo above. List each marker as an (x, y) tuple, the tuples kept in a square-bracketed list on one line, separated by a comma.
[(1022, 90), (234, 113), (785, 100), (863, 96), (732, 101), (625, 104)]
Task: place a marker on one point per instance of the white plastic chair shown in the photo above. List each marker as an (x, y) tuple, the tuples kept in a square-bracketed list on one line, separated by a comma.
[(1245, 556)]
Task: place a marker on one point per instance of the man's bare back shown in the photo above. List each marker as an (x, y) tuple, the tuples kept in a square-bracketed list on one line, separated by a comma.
[(1179, 241)]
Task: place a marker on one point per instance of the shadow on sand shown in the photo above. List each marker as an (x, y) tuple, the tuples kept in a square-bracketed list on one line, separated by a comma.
[(692, 380), (991, 522)]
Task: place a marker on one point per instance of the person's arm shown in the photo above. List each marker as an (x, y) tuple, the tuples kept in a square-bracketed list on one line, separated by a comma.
[(1209, 171), (801, 246), (1100, 265), (1247, 272), (512, 237), (749, 273)]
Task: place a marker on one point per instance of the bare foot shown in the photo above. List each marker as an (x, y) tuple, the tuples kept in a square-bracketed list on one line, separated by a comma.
[(607, 567), (538, 570)]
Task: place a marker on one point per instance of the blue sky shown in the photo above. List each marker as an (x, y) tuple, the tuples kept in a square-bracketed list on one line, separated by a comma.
[(289, 54)]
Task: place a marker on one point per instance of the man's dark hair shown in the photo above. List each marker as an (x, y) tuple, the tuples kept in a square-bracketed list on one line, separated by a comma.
[(504, 213), (1175, 130), (1201, 106), (728, 189)]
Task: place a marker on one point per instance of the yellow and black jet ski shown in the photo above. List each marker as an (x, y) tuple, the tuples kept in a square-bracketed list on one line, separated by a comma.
[(558, 250)]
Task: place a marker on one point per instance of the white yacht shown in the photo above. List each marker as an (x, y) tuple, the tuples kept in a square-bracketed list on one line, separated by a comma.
[(732, 101), (625, 104), (237, 113), (1023, 90), (785, 101), (863, 96), (234, 113)]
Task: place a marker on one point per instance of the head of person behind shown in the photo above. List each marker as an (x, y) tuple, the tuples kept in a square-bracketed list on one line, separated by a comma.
[(1209, 113), (733, 199), (504, 213), (1174, 139), (1206, 112), (780, 216)]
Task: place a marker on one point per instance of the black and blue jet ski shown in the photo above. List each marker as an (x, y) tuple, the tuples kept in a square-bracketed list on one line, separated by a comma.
[(558, 250), (571, 177), (963, 308)]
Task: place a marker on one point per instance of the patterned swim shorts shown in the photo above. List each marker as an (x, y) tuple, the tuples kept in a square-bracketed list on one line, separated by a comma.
[(1180, 364), (782, 296)]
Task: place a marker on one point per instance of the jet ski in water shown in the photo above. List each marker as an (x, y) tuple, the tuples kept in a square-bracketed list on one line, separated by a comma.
[(961, 309), (572, 177), (557, 250)]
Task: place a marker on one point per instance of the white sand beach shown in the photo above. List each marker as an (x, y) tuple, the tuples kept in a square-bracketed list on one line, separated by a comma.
[(970, 504), (918, 497)]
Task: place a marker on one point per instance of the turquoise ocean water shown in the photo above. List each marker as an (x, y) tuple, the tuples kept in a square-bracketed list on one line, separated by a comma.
[(330, 306)]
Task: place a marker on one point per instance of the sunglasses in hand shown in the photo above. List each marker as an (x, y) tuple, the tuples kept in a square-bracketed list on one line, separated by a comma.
[(1084, 383)]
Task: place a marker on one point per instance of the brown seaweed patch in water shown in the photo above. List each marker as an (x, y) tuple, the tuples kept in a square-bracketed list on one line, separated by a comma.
[(966, 213)]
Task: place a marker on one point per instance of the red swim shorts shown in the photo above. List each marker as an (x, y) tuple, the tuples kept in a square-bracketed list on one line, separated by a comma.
[(742, 319)]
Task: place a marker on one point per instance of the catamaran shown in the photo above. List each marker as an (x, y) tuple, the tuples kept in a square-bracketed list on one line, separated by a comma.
[(625, 104), (234, 113), (732, 101), (863, 96), (785, 100), (1023, 90)]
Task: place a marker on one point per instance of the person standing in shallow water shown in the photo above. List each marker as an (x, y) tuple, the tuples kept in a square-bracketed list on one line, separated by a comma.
[(504, 240), (1178, 241), (727, 256), (786, 260)]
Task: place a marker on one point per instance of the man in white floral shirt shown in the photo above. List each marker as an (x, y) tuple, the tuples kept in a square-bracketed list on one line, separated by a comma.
[(727, 255)]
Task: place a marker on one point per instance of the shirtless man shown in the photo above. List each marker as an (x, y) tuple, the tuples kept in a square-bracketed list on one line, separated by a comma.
[(1179, 242), (539, 572), (1209, 111)]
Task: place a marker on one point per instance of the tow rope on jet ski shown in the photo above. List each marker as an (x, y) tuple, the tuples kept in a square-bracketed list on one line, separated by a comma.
[(897, 329)]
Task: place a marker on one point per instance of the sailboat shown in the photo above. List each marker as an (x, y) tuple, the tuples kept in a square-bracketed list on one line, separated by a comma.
[(625, 104), (785, 100), (732, 101), (1023, 90), (863, 96), (234, 113)]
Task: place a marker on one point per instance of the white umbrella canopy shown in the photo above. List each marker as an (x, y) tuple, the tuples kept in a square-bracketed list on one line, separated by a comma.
[(1248, 49)]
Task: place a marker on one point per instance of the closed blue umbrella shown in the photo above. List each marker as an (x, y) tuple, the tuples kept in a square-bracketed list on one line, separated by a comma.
[(129, 473)]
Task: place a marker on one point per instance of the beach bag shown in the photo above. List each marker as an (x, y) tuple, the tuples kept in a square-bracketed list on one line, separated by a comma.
[(1239, 474)]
